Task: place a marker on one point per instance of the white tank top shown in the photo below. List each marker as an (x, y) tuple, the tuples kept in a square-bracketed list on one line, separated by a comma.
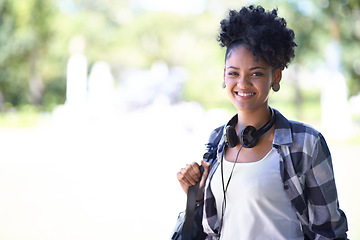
[(256, 203)]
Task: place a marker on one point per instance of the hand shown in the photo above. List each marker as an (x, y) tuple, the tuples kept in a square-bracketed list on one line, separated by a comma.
[(190, 175)]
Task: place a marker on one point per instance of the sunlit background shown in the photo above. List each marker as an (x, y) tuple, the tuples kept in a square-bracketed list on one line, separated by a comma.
[(103, 101)]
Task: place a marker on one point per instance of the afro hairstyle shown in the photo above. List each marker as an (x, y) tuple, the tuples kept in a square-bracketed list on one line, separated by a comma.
[(262, 32)]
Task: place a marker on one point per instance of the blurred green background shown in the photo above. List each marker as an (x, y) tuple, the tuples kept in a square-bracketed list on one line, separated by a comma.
[(35, 37), (37, 132)]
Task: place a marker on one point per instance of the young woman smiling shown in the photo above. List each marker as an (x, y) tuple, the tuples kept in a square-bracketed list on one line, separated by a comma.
[(272, 178)]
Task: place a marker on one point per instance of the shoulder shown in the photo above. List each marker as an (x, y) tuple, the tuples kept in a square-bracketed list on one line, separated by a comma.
[(301, 146), (216, 133), (212, 145), (294, 133), (295, 126), (304, 132)]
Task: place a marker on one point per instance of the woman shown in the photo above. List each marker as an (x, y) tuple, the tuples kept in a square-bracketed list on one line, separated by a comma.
[(272, 178)]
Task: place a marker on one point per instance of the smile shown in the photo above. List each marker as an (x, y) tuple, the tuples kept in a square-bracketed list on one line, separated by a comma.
[(244, 94)]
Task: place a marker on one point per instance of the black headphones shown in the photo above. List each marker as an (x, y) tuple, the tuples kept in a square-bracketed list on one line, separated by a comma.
[(248, 136)]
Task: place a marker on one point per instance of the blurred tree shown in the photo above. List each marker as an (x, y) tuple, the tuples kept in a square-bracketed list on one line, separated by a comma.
[(25, 30), (344, 17), (129, 36), (34, 38), (319, 22)]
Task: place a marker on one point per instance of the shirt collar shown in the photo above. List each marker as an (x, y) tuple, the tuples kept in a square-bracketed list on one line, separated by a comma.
[(282, 135)]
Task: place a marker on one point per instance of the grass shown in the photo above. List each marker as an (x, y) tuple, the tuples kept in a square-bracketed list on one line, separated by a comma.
[(24, 117)]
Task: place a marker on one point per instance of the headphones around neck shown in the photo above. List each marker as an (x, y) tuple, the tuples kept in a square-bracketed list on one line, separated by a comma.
[(248, 136)]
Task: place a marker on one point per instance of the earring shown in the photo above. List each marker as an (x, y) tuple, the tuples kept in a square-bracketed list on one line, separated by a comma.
[(224, 84), (275, 87)]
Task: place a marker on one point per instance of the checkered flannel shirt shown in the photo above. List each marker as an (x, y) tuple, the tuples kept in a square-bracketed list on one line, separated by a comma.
[(307, 173)]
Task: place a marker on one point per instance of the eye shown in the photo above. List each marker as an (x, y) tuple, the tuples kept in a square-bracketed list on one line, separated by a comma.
[(257, 74), (233, 74)]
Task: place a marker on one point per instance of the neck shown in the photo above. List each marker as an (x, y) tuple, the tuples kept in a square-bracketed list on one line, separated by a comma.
[(256, 118)]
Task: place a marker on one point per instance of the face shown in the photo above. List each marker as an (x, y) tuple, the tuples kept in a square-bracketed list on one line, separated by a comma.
[(248, 81)]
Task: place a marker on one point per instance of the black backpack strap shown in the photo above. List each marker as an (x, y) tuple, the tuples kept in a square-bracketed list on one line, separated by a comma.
[(187, 229)]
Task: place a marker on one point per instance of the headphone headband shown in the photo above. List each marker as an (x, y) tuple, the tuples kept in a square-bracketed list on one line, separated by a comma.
[(248, 136), (261, 131)]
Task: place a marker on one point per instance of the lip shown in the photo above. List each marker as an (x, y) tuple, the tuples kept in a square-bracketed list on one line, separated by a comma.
[(244, 95)]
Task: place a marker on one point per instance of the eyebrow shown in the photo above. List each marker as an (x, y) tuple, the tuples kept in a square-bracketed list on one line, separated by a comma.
[(253, 68)]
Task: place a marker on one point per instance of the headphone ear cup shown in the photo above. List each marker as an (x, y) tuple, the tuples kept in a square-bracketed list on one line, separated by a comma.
[(231, 137), (247, 138)]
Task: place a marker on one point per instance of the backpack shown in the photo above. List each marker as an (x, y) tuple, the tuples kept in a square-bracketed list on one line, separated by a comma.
[(189, 222)]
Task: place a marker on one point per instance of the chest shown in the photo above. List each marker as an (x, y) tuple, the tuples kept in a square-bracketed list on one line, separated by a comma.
[(256, 203), (248, 155), (256, 179)]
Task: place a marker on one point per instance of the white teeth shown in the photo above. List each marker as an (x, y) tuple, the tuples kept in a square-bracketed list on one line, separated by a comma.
[(245, 94)]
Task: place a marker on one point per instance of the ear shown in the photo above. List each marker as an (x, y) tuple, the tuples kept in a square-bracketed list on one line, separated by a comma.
[(224, 73), (277, 75)]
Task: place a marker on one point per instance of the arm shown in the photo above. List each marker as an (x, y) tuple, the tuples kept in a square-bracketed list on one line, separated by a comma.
[(326, 219)]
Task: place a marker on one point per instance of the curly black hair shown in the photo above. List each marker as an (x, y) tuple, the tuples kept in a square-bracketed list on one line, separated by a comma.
[(263, 32)]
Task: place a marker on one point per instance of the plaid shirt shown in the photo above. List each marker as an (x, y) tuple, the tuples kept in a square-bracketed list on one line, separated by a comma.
[(307, 173)]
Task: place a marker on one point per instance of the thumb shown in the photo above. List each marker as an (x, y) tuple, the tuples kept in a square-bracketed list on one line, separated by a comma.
[(206, 166)]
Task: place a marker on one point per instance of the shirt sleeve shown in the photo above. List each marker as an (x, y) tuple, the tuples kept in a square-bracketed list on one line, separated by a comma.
[(326, 219)]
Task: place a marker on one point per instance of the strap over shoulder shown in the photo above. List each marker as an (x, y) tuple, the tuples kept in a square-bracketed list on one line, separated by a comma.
[(212, 145)]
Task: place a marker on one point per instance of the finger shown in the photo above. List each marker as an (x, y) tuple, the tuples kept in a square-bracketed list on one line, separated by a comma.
[(192, 172), (206, 166), (195, 171), (188, 177), (182, 179), (185, 186)]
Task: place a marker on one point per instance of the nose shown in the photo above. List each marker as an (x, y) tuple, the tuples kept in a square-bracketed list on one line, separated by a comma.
[(243, 81)]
